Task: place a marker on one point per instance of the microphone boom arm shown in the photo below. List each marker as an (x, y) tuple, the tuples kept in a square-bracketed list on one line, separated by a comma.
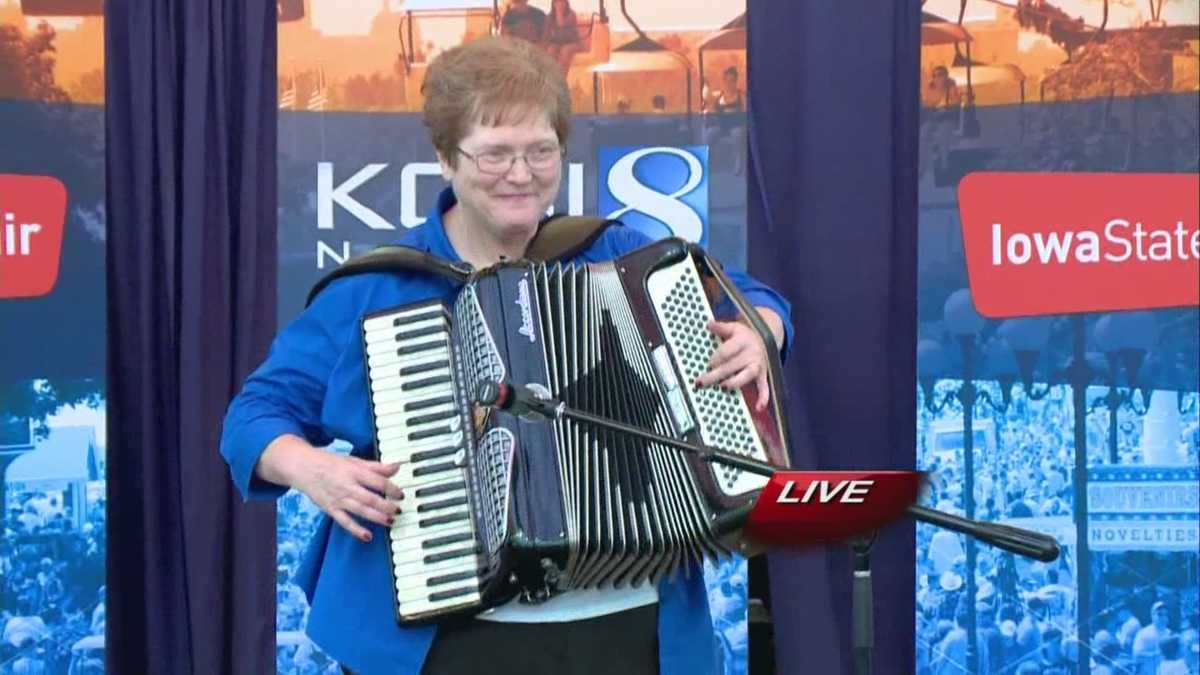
[(521, 401)]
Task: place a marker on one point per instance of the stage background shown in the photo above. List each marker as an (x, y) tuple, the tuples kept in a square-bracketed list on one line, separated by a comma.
[(52, 340), (1082, 424), (356, 169)]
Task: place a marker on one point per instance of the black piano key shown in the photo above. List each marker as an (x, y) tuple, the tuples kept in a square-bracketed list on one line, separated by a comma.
[(432, 417), (442, 520), (433, 468), (448, 539), (421, 347), (427, 382), (427, 403), (444, 504), (405, 336), (451, 578), (446, 595), (425, 455), (449, 555), (424, 368), (432, 313), (440, 488), (429, 433)]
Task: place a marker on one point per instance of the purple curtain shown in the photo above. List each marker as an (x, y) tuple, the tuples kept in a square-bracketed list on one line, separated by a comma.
[(834, 96), (191, 308)]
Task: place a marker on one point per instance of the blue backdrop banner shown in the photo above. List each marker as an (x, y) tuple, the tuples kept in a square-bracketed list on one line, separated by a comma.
[(52, 353), (1076, 423)]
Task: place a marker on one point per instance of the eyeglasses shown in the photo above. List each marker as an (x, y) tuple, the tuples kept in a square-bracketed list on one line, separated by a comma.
[(500, 162)]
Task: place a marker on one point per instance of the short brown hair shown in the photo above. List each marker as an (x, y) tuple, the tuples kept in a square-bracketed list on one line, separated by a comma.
[(486, 81)]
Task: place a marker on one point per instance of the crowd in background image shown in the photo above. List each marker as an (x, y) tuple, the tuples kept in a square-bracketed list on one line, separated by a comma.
[(1143, 603), (53, 586)]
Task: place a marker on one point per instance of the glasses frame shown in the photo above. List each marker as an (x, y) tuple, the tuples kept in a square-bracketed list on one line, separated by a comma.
[(512, 161)]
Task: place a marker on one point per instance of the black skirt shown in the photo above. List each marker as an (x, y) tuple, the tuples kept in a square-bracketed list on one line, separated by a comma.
[(625, 642)]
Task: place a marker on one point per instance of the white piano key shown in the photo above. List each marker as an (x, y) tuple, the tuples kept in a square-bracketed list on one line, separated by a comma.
[(417, 564), (416, 586), (407, 457), (412, 539), (408, 584), (434, 352), (394, 358), (421, 594), (383, 410), (396, 394), (400, 449), (414, 609), (384, 321), (398, 428), (411, 536), (395, 434), (408, 525), (432, 342), (426, 570), (396, 382), (406, 472), (412, 419), (395, 371), (393, 333), (412, 502)]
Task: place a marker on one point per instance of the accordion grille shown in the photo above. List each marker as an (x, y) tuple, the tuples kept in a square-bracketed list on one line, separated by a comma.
[(480, 358), (492, 476), (724, 417)]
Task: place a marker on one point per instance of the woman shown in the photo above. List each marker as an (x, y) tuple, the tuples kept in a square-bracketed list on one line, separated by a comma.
[(729, 98), (498, 111), (561, 35)]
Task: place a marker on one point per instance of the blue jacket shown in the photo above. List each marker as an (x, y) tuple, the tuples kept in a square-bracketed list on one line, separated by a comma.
[(312, 385)]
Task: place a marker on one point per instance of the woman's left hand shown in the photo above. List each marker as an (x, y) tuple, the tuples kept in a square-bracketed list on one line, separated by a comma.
[(740, 360)]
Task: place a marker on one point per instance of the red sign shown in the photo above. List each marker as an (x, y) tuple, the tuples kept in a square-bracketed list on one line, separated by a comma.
[(802, 508), (1064, 243), (32, 212)]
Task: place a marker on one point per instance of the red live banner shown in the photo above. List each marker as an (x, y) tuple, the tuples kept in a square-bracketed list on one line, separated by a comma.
[(1065, 243), (32, 213), (803, 508)]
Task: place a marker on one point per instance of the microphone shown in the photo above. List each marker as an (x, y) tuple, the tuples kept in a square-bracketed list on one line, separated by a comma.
[(531, 402)]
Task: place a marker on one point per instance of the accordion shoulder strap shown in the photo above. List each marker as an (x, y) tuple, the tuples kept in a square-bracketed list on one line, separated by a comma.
[(393, 259), (562, 236), (557, 237)]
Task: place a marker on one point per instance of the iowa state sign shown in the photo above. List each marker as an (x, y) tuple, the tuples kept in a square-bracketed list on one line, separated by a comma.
[(1065, 243)]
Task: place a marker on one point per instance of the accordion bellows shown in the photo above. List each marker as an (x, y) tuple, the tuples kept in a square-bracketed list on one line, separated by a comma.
[(498, 505)]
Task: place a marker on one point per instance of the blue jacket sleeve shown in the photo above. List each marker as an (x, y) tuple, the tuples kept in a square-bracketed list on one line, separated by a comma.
[(619, 240), (286, 393)]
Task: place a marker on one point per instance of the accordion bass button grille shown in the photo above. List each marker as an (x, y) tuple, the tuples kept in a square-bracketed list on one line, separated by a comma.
[(677, 295)]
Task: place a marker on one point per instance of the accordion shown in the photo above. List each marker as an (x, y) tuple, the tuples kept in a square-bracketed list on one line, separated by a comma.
[(498, 505)]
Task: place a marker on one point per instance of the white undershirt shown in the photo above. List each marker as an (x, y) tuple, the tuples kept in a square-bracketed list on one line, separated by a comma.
[(573, 605)]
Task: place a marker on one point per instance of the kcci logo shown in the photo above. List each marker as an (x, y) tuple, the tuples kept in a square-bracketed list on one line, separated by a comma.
[(660, 190), (32, 211)]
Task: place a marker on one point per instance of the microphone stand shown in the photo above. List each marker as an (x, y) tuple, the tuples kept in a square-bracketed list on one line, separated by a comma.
[(862, 605), (523, 402)]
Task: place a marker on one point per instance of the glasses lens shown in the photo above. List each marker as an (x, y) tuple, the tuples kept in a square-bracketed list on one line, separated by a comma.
[(543, 157), (494, 162)]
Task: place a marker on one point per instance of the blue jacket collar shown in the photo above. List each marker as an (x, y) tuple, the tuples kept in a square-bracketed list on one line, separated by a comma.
[(430, 236), (439, 243)]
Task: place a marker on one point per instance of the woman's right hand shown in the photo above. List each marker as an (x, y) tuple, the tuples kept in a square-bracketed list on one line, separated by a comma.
[(347, 488), (344, 487)]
